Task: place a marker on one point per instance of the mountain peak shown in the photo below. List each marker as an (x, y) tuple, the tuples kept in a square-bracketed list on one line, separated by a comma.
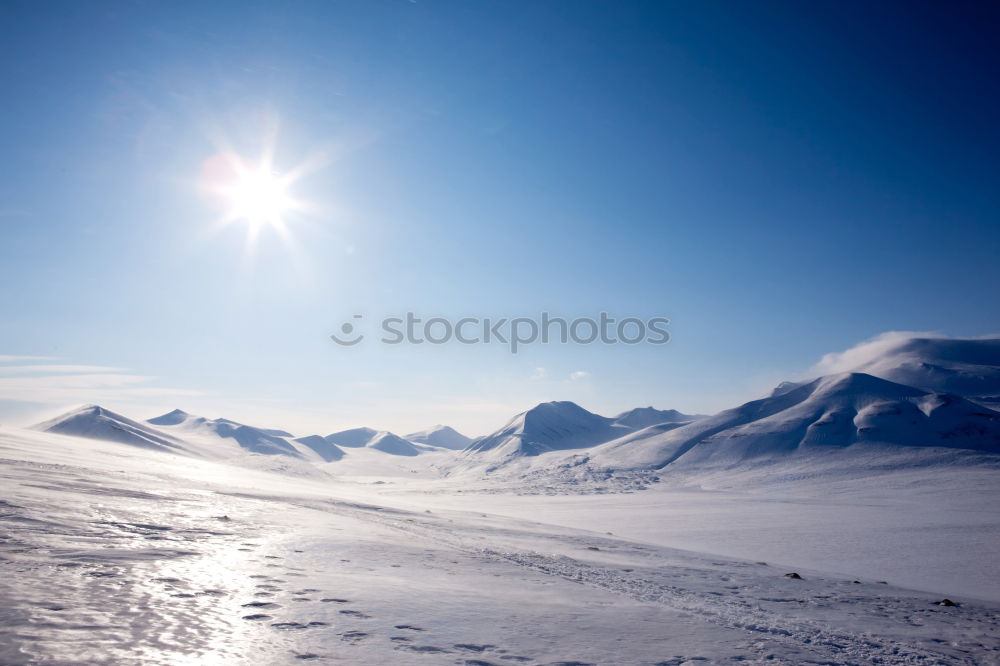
[(442, 436), (352, 438), (969, 367), (170, 418), (387, 442), (643, 417), (96, 422), (549, 426)]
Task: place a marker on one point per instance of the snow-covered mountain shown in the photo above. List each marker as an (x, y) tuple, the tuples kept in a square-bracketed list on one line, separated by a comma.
[(380, 440), (969, 367), (442, 436), (254, 440), (550, 426), (830, 412), (325, 449), (95, 422), (353, 438), (643, 417), (386, 442), (844, 412)]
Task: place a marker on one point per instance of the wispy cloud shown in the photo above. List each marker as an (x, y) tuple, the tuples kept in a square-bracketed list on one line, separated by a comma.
[(578, 375), (48, 383), (40, 369), (539, 374)]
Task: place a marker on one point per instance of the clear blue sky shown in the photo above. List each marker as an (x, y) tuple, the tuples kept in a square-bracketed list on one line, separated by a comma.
[(781, 180)]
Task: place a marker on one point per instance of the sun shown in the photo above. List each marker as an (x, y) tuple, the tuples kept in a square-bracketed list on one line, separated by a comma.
[(257, 195)]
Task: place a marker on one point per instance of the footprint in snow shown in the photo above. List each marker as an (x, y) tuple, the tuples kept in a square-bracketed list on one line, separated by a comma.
[(335, 601), (472, 647), (261, 604), (358, 614), (257, 616), (405, 626), (422, 648), (298, 625)]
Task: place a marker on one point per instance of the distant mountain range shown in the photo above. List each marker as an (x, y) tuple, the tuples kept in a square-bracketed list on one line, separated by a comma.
[(917, 394)]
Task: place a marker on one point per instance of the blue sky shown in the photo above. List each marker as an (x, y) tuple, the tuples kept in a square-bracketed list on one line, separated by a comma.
[(780, 180)]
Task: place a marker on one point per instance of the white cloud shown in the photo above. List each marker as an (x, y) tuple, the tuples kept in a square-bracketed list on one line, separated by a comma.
[(579, 375), (21, 359), (539, 374)]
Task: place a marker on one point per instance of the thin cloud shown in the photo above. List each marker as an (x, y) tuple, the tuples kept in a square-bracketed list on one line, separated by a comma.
[(41, 369), (49, 383)]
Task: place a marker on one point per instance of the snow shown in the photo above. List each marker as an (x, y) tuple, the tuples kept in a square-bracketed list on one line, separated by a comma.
[(968, 367), (119, 554), (99, 423), (550, 426), (565, 537), (836, 411), (441, 436), (325, 449), (386, 442), (643, 417), (353, 437)]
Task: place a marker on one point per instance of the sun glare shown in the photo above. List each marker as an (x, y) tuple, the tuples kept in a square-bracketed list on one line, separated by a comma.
[(253, 193), (258, 196)]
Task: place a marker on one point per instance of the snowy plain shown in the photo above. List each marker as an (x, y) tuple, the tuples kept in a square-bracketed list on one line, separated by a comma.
[(119, 555)]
